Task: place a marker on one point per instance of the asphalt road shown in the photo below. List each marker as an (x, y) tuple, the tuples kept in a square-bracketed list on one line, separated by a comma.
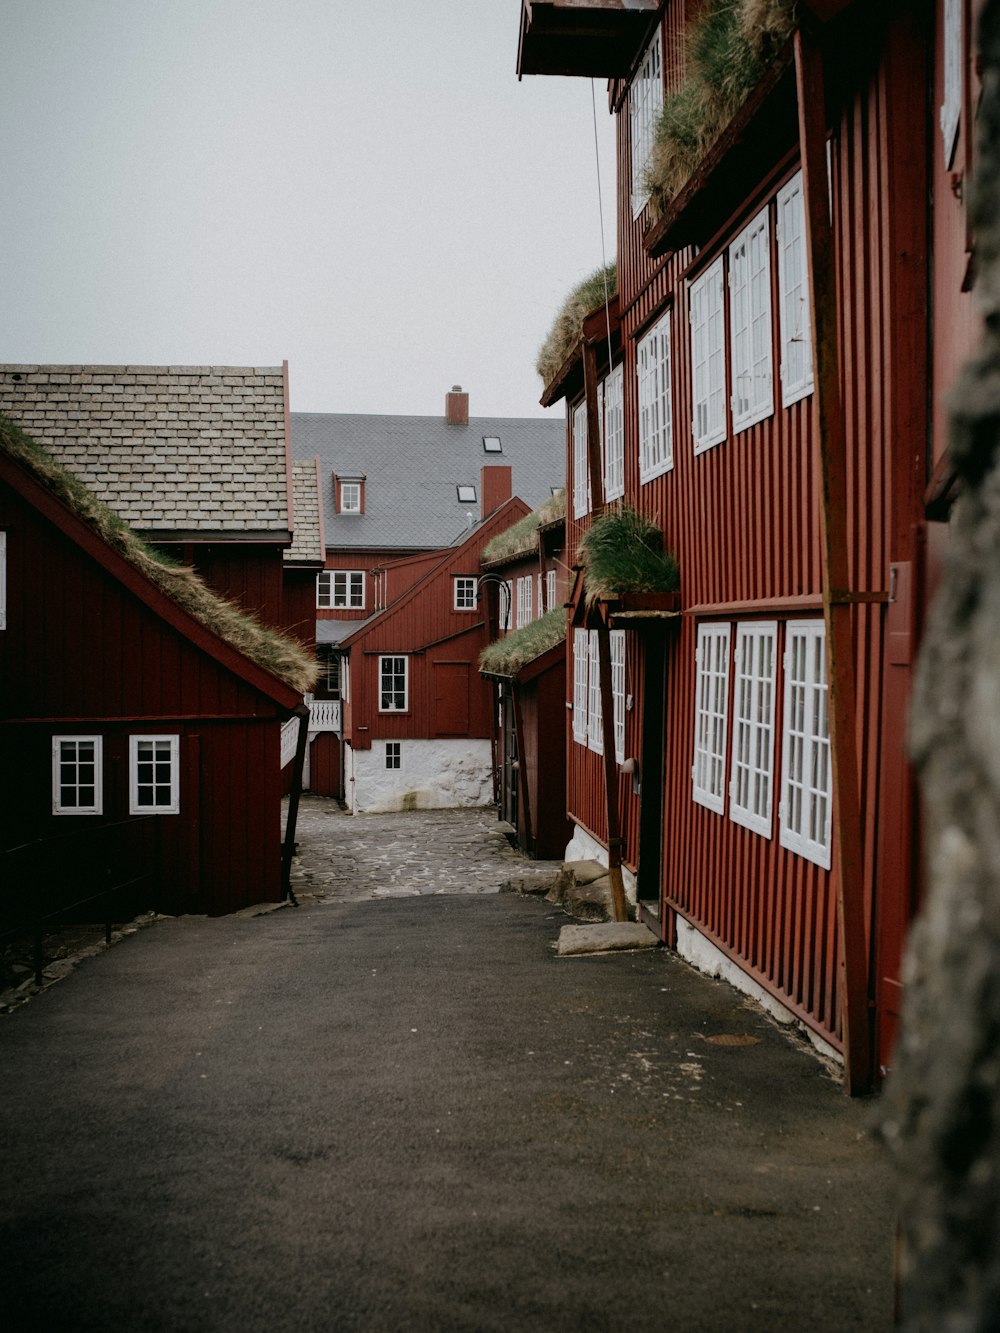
[(408, 1114)]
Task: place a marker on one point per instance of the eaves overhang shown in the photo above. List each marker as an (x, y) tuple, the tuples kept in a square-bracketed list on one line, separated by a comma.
[(596, 39), (601, 328)]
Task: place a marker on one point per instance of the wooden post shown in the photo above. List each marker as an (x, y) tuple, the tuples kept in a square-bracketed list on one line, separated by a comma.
[(288, 849), (595, 463), (524, 800), (838, 604)]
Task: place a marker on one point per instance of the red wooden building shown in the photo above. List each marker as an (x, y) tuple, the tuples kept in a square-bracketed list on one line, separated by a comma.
[(141, 717), (776, 327)]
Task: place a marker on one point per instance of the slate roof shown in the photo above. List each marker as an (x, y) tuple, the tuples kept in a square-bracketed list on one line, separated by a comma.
[(307, 545), (169, 448), (413, 466)]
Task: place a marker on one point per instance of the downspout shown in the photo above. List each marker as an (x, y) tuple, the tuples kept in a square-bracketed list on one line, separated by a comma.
[(595, 468), (288, 847), (838, 600)]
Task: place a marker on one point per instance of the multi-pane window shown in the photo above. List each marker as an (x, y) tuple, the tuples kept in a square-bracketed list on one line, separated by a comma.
[(466, 593), (613, 442), (550, 589), (708, 359), (793, 295), (656, 422), (595, 713), (154, 775), (645, 101), (751, 782), (524, 613), (951, 105), (750, 323), (710, 716), (393, 675), (329, 658), (581, 475), (350, 497), (618, 690), (392, 754), (506, 605), (76, 775), (806, 799), (341, 589), (581, 653)]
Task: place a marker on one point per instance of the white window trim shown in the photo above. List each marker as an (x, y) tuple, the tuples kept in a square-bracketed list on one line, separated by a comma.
[(595, 711), (394, 657), (354, 487), (613, 430), (397, 755), (950, 114), (795, 324), (340, 599), (550, 590), (708, 342), (618, 691), (3, 580), (174, 805), (645, 102), (751, 367), (461, 582), (580, 677), (98, 807), (581, 472), (711, 712), (656, 417), (524, 612), (815, 745), (754, 691)]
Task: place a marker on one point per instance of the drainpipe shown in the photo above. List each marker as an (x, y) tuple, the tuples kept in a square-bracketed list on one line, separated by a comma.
[(288, 847)]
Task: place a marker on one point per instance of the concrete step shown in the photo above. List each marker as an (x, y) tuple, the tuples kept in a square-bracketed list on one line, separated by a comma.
[(608, 937)]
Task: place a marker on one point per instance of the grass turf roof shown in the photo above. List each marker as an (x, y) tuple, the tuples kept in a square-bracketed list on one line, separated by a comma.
[(565, 332), (509, 655), (728, 48), (519, 538), (270, 649), (623, 551)]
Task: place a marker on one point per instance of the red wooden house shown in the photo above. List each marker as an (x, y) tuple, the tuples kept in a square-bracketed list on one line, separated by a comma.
[(766, 404), (140, 718)]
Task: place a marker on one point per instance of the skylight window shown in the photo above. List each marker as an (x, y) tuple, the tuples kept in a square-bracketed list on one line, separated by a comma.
[(492, 445), (466, 495)]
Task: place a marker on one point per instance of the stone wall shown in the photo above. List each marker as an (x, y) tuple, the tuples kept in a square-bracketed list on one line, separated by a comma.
[(433, 775)]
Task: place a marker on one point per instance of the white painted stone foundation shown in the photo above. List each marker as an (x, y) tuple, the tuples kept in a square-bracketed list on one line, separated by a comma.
[(432, 775), (583, 847)]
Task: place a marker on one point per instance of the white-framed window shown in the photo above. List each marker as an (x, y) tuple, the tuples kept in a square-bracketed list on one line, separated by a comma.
[(645, 102), (466, 593), (618, 690), (341, 589), (394, 684), (581, 653), (550, 590), (751, 782), (154, 780), (524, 613), (613, 443), (595, 713), (581, 473), (708, 359), (507, 606), (656, 417), (350, 497), (711, 708), (77, 775), (329, 659), (951, 104), (345, 679), (393, 758), (3, 580), (805, 811), (795, 318), (751, 362)]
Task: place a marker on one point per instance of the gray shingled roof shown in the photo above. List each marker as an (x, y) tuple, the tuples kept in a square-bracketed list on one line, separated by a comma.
[(413, 466), (307, 544), (170, 448)]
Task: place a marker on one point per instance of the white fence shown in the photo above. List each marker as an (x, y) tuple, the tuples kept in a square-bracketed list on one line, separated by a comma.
[(324, 715)]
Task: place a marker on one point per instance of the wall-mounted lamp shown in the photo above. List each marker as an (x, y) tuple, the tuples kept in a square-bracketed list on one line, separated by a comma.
[(631, 766)]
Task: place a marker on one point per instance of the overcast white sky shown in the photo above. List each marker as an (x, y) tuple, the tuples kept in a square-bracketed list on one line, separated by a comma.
[(362, 188)]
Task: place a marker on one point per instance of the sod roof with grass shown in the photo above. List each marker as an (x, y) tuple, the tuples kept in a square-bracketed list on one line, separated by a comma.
[(727, 50), (512, 653), (564, 334), (623, 552), (270, 649), (521, 538)]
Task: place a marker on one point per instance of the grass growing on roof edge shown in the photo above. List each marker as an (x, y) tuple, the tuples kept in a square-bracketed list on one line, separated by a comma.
[(624, 552), (519, 538), (506, 656), (269, 648), (568, 324)]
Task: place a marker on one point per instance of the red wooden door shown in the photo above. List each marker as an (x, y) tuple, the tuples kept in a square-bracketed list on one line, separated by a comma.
[(450, 698)]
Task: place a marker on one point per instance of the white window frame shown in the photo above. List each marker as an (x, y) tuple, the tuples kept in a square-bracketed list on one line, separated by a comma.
[(751, 358), (394, 672), (806, 807), (58, 786), (656, 416), (711, 714), (350, 497), (708, 358), (581, 472), (644, 105), (550, 590), (595, 711), (524, 612), (3, 580), (618, 691), (950, 114), (755, 670), (339, 587), (394, 751), (613, 432), (795, 316), (581, 658), (466, 593), (173, 750)]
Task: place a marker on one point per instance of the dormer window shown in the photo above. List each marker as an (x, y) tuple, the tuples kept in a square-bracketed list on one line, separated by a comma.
[(492, 445), (349, 494), (466, 495)]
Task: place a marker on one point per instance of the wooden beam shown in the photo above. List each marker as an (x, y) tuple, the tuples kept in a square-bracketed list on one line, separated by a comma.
[(524, 800), (828, 420)]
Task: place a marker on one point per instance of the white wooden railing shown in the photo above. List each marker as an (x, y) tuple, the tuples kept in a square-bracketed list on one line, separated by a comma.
[(289, 736), (324, 714)]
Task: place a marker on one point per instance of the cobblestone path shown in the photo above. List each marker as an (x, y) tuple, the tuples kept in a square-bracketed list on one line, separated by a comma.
[(347, 857)]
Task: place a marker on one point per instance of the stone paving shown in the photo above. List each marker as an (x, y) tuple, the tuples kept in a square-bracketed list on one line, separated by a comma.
[(407, 854)]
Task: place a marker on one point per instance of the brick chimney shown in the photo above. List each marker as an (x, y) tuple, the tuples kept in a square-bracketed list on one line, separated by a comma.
[(456, 407), (494, 487)]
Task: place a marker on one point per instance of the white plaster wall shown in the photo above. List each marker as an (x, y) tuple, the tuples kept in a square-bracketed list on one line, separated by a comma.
[(432, 775), (583, 847)]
